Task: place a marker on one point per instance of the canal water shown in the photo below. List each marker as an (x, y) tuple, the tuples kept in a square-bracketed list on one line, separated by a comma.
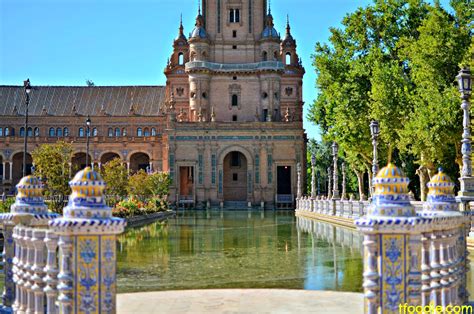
[(239, 249)]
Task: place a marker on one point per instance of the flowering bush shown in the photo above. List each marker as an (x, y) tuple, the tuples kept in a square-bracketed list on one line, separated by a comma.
[(134, 207)]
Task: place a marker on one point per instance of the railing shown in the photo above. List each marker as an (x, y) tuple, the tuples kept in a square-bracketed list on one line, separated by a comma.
[(340, 208), (238, 67), (58, 264)]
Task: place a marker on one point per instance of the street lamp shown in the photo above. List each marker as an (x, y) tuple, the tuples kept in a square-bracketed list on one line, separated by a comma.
[(313, 176), (27, 87), (298, 187), (375, 132), (466, 180), (335, 193), (88, 126)]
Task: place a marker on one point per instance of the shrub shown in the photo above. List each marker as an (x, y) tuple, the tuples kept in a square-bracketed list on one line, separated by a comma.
[(5, 205)]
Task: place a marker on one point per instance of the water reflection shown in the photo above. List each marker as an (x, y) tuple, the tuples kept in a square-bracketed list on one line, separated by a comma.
[(239, 249)]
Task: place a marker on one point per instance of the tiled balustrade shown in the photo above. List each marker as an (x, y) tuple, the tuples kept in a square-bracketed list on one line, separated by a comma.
[(80, 276)]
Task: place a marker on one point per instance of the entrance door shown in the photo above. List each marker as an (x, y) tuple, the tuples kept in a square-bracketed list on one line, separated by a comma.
[(186, 181), (235, 177), (284, 180)]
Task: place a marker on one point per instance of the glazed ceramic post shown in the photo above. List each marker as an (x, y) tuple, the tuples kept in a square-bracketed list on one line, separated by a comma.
[(392, 245), (87, 248), (446, 271), (28, 209)]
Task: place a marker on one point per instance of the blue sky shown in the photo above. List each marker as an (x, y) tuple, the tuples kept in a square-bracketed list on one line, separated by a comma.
[(127, 42)]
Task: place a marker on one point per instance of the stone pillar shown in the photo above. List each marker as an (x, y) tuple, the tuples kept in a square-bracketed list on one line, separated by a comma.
[(392, 244), (4, 171), (11, 171), (87, 233)]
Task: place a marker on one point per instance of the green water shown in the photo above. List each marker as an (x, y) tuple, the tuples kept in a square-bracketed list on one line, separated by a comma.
[(239, 249)]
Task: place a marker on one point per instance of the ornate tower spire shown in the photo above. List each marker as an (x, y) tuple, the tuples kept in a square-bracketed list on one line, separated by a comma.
[(288, 29)]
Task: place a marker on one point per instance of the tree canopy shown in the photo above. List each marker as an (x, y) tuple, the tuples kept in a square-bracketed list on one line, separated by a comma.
[(395, 61)]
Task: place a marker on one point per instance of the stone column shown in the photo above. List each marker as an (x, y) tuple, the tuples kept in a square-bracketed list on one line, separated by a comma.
[(392, 244), (11, 171), (87, 233), (4, 172)]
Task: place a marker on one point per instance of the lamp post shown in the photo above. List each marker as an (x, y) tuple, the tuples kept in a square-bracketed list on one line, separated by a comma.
[(27, 87), (319, 187), (298, 187), (466, 192), (329, 172), (343, 170), (375, 132), (335, 192), (313, 177), (88, 127)]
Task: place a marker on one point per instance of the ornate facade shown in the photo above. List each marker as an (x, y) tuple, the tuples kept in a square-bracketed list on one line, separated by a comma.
[(227, 126)]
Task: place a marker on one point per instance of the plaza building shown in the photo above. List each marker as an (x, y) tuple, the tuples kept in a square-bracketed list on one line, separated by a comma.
[(227, 126)]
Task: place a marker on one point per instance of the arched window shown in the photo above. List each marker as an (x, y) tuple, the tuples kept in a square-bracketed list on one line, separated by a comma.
[(110, 132), (22, 131), (52, 132), (234, 15), (117, 132), (1, 131), (275, 56), (264, 56), (30, 132), (288, 58), (235, 100), (153, 131), (12, 132), (7, 131), (59, 132), (66, 132), (124, 132), (180, 58), (81, 132), (37, 132), (139, 132), (146, 132), (94, 132)]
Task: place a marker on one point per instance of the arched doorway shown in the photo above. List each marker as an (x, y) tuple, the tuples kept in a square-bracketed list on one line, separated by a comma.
[(235, 177), (79, 161), (105, 158), (17, 171), (139, 161)]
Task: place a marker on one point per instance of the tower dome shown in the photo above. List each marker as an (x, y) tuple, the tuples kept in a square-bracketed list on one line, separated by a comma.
[(269, 32)]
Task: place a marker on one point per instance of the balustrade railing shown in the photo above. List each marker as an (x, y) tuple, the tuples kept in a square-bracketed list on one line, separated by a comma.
[(58, 264), (415, 252)]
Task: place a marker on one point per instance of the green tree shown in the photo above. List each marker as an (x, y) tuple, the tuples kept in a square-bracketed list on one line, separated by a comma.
[(159, 183), (52, 166), (138, 185), (115, 176)]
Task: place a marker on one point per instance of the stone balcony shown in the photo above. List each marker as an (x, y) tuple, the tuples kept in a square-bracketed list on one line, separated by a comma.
[(235, 68)]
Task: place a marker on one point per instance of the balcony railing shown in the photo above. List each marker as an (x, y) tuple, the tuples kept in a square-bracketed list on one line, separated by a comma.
[(236, 67)]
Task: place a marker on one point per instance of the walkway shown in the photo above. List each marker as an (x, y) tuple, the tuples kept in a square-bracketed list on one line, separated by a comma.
[(241, 301)]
